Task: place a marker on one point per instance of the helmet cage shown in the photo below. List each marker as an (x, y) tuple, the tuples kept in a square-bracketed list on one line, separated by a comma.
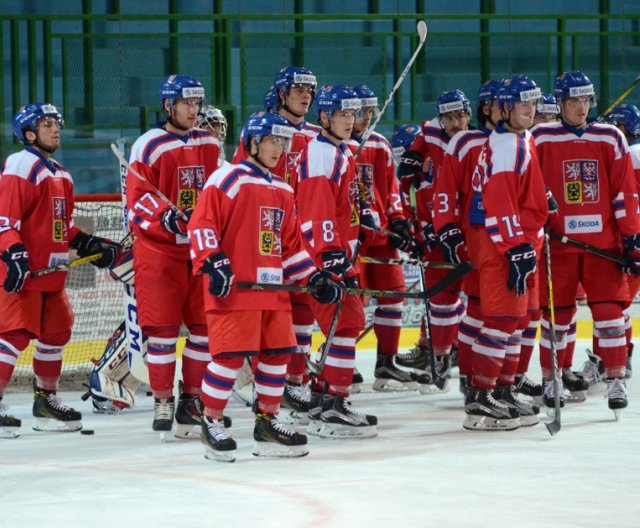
[(211, 116)]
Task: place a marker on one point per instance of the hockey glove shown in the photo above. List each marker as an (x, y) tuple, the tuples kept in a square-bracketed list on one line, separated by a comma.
[(87, 245), (426, 237), (522, 263), (410, 168), (631, 254), (174, 223), (552, 219), (403, 228), (367, 224), (17, 260), (221, 276), (337, 263), (452, 243), (327, 291)]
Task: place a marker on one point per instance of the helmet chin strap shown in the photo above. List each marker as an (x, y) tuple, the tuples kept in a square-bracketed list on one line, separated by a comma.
[(286, 107), (256, 157), (331, 132), (37, 143), (172, 122)]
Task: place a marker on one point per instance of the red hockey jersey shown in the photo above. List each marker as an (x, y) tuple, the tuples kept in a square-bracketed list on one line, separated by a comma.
[(250, 215), (590, 174), (176, 165), (36, 209)]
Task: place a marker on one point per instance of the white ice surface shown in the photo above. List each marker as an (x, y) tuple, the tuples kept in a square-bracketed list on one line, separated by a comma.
[(422, 470)]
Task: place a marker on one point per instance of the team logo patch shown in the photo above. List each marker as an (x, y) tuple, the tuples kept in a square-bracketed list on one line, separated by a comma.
[(191, 183), (365, 176), (270, 229), (581, 184), (59, 232)]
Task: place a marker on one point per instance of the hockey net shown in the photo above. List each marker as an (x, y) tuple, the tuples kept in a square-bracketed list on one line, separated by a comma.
[(97, 300)]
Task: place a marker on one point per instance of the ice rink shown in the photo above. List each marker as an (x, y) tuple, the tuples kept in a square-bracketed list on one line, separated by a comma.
[(423, 469)]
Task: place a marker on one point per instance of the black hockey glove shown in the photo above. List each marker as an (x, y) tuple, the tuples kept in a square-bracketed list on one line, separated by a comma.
[(337, 263), (427, 238), (410, 168), (522, 263), (403, 228), (221, 276), (174, 223), (631, 254), (87, 245), (452, 243), (327, 290), (367, 224), (17, 260)]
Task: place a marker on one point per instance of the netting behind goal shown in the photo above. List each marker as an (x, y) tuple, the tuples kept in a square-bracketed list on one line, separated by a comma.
[(97, 300)]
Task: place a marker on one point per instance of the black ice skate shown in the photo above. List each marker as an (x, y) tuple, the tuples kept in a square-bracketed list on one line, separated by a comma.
[(485, 413), (356, 381), (464, 384), (295, 404), (339, 420), (576, 386), (592, 373), (548, 398), (9, 424), (527, 387), (315, 410), (527, 411), (163, 416), (427, 384), (189, 417), (218, 442), (388, 377), (617, 395), (417, 358), (275, 439), (629, 371), (53, 415)]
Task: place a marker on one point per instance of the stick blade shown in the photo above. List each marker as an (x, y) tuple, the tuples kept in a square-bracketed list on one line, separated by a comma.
[(422, 30), (553, 426)]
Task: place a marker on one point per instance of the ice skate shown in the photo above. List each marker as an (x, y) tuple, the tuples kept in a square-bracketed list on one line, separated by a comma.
[(427, 384), (548, 398), (527, 387), (340, 420), (9, 424), (464, 384), (417, 358), (592, 372), (163, 416), (275, 439), (629, 371), (388, 377), (485, 413), (217, 441), (617, 395), (356, 381), (576, 386), (315, 410), (527, 411), (53, 415), (189, 417), (294, 407)]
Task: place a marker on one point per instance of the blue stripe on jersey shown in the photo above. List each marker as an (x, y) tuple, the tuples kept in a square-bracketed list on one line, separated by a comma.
[(470, 136), (339, 158), (37, 169), (437, 133), (152, 145), (231, 179), (304, 171), (520, 155)]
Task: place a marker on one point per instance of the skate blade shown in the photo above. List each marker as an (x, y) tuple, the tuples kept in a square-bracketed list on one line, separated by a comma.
[(314, 427), (220, 456), (391, 385), (188, 432), (49, 425), (329, 430), (616, 414), (9, 432), (275, 450), (485, 423), (575, 397), (432, 389), (528, 421), (290, 417)]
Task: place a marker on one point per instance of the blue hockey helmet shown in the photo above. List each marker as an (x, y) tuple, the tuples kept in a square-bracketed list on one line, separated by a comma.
[(336, 97), (518, 88), (403, 137), (176, 87), (628, 115), (574, 84), (295, 76), (368, 99), (488, 91), (548, 105), (28, 116), (270, 100), (267, 124), (452, 101)]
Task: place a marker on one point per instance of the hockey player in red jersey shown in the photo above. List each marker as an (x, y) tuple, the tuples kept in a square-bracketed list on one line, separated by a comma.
[(504, 243), (37, 231), (377, 180), (588, 169), (175, 158), (547, 110), (445, 308), (332, 218), (245, 228)]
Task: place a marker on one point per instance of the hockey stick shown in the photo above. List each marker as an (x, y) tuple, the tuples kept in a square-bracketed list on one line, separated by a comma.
[(553, 426), (619, 99), (63, 266), (422, 35), (408, 261), (156, 191), (588, 248)]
